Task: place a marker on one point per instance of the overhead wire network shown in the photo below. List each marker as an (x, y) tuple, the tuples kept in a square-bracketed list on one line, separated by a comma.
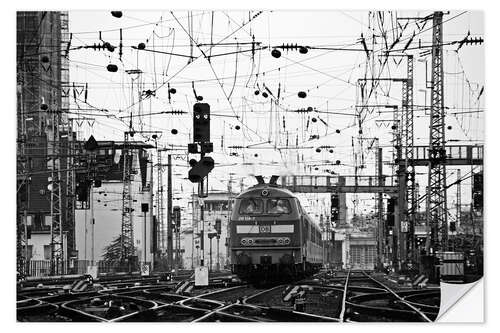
[(253, 94)]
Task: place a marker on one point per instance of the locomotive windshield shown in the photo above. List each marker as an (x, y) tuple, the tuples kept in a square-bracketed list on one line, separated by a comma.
[(278, 206), (251, 206)]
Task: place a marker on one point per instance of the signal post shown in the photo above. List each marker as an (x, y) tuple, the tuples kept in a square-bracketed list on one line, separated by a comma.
[(200, 169)]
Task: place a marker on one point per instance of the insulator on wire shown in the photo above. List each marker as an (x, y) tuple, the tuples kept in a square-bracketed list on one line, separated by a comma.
[(112, 68), (276, 53)]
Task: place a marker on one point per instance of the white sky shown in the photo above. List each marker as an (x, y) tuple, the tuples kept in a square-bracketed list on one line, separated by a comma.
[(329, 78)]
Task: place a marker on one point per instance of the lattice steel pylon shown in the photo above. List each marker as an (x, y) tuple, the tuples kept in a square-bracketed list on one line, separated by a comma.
[(437, 220), (408, 142), (70, 190), (22, 173), (159, 204), (127, 232), (56, 228)]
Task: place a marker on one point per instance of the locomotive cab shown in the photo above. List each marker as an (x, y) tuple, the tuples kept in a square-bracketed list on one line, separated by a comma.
[(271, 236)]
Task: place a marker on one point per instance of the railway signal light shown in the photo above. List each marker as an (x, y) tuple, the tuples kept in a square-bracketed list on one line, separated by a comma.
[(177, 217), (193, 148), (201, 122), (82, 191), (391, 205), (201, 169), (477, 191), (218, 223), (477, 184), (334, 207), (478, 201)]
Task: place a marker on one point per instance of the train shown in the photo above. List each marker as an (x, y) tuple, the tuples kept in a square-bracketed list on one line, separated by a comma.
[(271, 235)]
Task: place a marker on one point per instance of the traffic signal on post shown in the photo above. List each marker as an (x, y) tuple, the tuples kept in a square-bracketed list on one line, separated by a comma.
[(334, 207), (82, 191), (477, 183), (218, 223), (477, 199), (176, 211), (391, 205), (201, 122), (201, 169), (477, 191)]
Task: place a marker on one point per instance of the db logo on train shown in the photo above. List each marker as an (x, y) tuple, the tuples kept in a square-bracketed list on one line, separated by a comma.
[(264, 229)]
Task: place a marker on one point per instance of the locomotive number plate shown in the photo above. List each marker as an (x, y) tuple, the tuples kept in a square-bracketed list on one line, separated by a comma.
[(264, 229)]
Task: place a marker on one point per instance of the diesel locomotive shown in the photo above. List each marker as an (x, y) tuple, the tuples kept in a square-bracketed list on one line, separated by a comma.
[(271, 235)]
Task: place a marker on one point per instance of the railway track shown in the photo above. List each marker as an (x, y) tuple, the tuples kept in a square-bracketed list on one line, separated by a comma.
[(340, 297)]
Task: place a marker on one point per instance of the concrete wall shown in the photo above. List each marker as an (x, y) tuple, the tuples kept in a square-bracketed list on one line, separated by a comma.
[(38, 241)]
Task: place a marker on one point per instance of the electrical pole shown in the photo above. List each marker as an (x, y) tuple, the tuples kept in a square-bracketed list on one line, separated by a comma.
[(218, 254), (459, 198), (407, 128), (92, 221), (56, 235), (22, 169), (192, 226), (230, 208), (437, 218), (169, 213), (151, 217), (127, 234), (159, 204), (380, 212)]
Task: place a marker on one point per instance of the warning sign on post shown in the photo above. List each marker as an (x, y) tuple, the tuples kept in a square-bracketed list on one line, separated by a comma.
[(201, 276), (145, 270)]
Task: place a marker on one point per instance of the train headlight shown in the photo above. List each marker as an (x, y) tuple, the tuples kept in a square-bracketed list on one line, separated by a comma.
[(280, 241), (244, 241), (287, 241), (265, 193)]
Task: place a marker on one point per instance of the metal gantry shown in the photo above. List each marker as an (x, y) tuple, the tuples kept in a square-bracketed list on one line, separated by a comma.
[(436, 218), (127, 232)]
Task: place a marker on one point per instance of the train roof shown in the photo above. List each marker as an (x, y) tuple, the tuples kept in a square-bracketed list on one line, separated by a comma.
[(273, 190)]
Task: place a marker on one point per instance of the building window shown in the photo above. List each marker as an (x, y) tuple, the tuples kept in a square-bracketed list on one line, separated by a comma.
[(46, 252), (47, 221), (30, 252)]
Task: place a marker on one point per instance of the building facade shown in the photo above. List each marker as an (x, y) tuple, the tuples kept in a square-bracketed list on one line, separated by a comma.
[(45, 210), (216, 206)]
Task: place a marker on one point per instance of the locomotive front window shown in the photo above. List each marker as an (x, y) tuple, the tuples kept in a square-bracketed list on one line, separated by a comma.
[(278, 206), (251, 206)]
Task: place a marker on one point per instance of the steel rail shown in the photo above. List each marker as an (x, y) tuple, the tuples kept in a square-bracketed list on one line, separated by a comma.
[(401, 299), (344, 298)]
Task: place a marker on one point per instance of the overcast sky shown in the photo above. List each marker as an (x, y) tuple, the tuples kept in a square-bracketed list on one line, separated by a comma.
[(228, 82)]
